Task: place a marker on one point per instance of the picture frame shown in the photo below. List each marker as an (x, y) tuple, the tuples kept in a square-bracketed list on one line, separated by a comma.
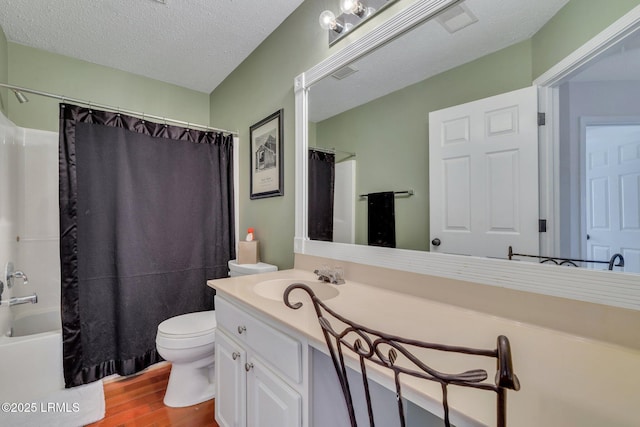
[(266, 161)]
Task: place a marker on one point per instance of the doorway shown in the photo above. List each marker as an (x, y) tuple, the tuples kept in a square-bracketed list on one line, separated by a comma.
[(611, 191)]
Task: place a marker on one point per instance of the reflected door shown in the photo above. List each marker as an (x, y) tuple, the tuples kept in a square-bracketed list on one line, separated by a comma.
[(612, 177), (483, 176)]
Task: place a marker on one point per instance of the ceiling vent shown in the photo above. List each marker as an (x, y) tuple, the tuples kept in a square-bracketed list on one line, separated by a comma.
[(344, 72), (456, 18)]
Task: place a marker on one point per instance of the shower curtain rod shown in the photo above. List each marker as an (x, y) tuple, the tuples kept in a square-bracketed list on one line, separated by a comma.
[(116, 109), (332, 151)]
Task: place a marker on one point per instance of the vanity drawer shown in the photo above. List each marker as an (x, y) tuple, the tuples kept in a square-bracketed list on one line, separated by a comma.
[(281, 351)]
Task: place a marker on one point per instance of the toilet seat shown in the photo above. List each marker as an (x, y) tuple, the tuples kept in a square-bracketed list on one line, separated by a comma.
[(187, 330)]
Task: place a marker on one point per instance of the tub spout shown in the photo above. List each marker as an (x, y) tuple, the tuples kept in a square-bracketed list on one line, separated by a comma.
[(21, 300)]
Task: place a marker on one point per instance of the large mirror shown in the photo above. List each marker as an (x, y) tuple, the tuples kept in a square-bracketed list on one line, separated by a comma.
[(370, 112)]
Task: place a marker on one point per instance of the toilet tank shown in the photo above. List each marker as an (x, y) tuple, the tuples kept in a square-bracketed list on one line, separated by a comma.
[(236, 269)]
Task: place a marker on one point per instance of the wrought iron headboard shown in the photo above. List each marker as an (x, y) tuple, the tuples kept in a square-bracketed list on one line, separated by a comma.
[(611, 262), (384, 349)]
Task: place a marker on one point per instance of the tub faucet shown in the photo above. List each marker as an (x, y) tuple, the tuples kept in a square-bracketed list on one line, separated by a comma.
[(21, 300), (335, 276)]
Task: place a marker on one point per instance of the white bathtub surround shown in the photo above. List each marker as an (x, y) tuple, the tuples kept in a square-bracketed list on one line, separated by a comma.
[(566, 379), (31, 373), (29, 217), (31, 360), (10, 148), (39, 247)]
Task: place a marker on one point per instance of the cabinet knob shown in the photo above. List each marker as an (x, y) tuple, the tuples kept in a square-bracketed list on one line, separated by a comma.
[(241, 329), (248, 366), (235, 355), (436, 242)]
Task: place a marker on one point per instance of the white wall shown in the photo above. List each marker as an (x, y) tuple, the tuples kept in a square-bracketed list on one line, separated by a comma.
[(577, 100)]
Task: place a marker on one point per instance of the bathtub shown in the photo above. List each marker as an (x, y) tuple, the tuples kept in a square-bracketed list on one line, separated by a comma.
[(32, 389)]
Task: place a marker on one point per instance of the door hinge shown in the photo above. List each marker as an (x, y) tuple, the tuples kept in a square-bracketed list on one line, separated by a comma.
[(542, 226), (542, 119)]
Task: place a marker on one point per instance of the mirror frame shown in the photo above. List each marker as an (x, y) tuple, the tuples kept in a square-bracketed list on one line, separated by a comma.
[(616, 289)]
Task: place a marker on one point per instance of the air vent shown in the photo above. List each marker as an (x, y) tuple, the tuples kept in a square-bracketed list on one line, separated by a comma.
[(456, 18), (344, 72)]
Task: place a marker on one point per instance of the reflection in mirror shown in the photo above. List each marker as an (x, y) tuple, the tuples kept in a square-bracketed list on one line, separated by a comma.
[(378, 107), (353, 14)]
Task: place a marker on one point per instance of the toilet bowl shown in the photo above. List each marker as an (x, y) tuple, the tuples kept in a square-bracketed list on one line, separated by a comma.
[(187, 341)]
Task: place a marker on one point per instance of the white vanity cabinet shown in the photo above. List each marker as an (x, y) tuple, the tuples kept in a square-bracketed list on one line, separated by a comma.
[(260, 380)]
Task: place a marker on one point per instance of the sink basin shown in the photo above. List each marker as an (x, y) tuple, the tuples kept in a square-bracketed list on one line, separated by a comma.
[(274, 290)]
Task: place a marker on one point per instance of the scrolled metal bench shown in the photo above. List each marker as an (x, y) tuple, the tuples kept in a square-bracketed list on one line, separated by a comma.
[(385, 350)]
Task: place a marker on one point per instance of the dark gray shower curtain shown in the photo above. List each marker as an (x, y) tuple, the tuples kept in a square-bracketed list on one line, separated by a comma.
[(321, 190), (146, 217)]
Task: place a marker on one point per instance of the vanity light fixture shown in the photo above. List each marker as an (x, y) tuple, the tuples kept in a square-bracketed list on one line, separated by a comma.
[(354, 13)]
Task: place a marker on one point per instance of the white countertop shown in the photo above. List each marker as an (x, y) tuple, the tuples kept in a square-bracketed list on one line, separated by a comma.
[(566, 380)]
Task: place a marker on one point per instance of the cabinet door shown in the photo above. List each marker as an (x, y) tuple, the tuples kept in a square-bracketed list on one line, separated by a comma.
[(270, 401), (231, 395)]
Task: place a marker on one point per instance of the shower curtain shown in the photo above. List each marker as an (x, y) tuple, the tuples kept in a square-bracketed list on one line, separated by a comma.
[(146, 217), (321, 190)]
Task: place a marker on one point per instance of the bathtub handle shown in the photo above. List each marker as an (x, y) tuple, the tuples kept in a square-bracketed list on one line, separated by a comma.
[(10, 274), (20, 275)]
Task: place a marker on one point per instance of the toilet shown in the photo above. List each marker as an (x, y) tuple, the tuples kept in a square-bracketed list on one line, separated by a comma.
[(236, 269), (187, 341)]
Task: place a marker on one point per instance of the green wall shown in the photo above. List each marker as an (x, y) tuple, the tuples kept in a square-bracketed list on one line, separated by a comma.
[(389, 135), (263, 83), (62, 75), (4, 71), (571, 27)]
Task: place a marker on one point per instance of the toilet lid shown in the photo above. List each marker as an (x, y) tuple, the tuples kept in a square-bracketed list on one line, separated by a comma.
[(189, 325)]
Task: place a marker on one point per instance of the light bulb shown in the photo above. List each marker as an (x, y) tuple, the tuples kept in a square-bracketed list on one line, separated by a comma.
[(327, 20), (354, 7)]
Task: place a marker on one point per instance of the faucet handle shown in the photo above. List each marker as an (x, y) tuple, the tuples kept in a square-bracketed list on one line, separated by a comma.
[(10, 274), (20, 275), (338, 275)]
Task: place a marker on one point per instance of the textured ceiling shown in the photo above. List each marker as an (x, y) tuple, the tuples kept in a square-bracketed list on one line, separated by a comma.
[(190, 43)]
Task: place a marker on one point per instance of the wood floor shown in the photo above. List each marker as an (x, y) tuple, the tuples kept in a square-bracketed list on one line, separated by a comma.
[(137, 401)]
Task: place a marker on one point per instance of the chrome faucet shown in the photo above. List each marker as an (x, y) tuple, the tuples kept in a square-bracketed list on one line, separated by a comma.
[(335, 275), (33, 299)]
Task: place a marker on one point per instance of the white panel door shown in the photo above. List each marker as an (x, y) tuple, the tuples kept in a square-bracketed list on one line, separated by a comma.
[(231, 401), (270, 401), (483, 176), (612, 176)]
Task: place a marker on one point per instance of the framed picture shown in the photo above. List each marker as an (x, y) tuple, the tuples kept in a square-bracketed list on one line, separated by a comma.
[(266, 168)]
